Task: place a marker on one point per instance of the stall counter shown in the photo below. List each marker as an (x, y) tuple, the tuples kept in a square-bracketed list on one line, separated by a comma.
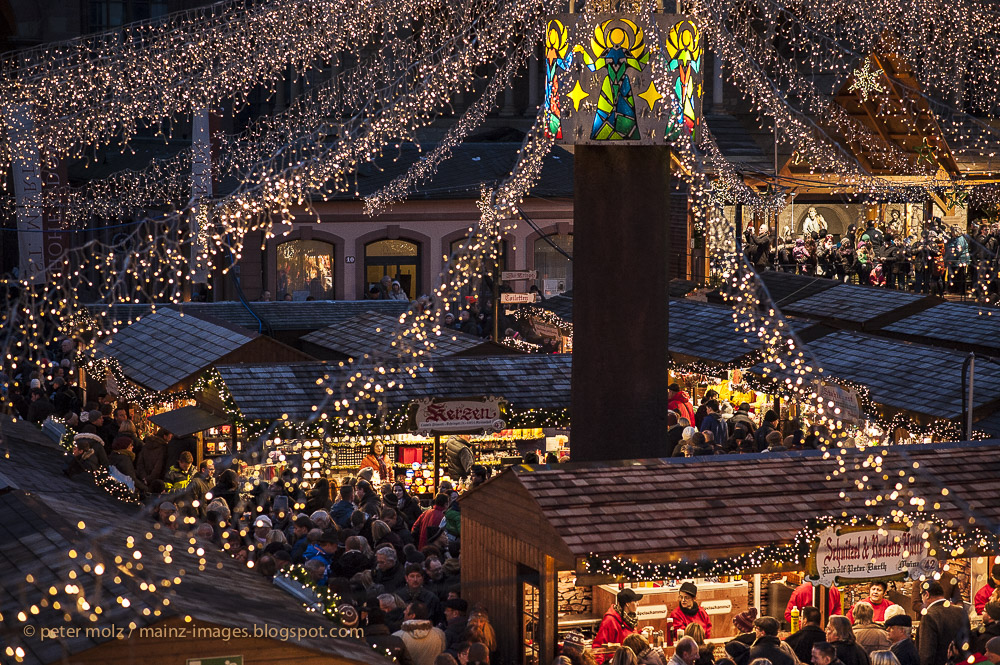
[(721, 601)]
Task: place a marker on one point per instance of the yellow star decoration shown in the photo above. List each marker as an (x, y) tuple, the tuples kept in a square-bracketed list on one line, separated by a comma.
[(577, 95), (651, 95)]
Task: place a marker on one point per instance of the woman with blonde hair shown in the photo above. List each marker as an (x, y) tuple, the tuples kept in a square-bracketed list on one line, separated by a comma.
[(884, 658), (840, 634)]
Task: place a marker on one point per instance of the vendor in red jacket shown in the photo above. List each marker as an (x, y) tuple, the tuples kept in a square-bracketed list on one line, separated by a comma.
[(689, 611), (619, 621), (876, 598), (677, 400), (983, 595), (803, 597)]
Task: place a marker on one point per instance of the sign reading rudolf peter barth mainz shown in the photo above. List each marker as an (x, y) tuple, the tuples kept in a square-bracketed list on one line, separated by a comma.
[(852, 554), (622, 79)]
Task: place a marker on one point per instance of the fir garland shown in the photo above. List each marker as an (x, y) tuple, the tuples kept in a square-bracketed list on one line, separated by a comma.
[(952, 542), (328, 600)]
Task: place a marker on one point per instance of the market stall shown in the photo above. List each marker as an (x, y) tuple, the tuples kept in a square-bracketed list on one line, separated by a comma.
[(542, 544), (534, 388)]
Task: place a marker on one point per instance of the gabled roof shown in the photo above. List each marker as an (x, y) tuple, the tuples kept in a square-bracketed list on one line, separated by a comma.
[(729, 503), (859, 305), (786, 287), (163, 349), (372, 333), (39, 525), (706, 333), (961, 325), (901, 375), (535, 381), (280, 315)]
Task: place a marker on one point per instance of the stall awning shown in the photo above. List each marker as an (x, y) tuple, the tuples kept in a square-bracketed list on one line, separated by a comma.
[(188, 420)]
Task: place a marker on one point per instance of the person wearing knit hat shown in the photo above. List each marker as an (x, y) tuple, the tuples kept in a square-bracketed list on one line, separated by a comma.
[(770, 424), (688, 611), (744, 620), (990, 628), (983, 595)]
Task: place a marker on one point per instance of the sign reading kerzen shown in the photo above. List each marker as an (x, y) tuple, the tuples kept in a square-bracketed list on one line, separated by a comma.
[(847, 555), (473, 414)]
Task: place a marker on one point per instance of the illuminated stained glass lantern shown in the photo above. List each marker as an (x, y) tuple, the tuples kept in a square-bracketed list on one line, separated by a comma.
[(622, 78)]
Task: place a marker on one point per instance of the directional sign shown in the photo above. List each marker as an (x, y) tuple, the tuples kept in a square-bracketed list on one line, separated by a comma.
[(517, 297), (515, 275)]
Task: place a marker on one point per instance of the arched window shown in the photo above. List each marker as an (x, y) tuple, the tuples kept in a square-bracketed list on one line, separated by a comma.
[(397, 259), (305, 269), (555, 271)]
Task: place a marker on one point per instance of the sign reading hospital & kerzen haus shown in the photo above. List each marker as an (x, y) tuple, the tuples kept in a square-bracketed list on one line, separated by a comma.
[(846, 555), (467, 415)]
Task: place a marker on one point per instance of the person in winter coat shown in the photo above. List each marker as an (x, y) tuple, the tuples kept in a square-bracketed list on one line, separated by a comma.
[(379, 462), (179, 476), (318, 497), (619, 621), (742, 417), (941, 625), (644, 653), (406, 506), (688, 611), (97, 445), (810, 633), (459, 456), (770, 424), (40, 407), (423, 641), (702, 410), (766, 643), (83, 460), (712, 422), (679, 401), (151, 463), (377, 635), (430, 518), (840, 634), (786, 260), (396, 292), (899, 629), (990, 628), (388, 570), (227, 489), (340, 512), (123, 459), (869, 635), (800, 254), (368, 499), (957, 259)]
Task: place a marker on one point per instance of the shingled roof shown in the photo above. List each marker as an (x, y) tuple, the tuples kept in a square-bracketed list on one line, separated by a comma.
[(40, 515), (535, 381), (860, 306), (979, 326), (165, 348), (786, 287), (728, 503), (706, 333), (372, 333), (904, 376), (280, 315)]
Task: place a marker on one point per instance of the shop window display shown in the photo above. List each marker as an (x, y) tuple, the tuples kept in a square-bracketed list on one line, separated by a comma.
[(305, 269), (555, 271), (397, 259)]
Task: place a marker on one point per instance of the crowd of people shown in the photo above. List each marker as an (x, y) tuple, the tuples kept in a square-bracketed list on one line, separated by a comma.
[(936, 260), (874, 632), (717, 427)]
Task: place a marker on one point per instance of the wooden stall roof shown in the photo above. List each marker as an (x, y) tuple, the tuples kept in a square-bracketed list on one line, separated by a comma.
[(372, 333), (560, 305), (280, 315), (901, 375), (169, 348), (706, 333), (859, 306), (40, 510), (536, 381), (966, 326), (786, 287), (721, 505)]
